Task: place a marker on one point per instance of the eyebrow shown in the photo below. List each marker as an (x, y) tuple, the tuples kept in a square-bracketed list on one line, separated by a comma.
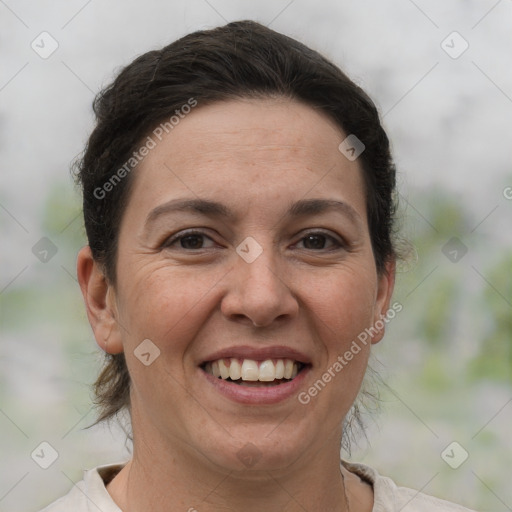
[(215, 209), (317, 206), (201, 206)]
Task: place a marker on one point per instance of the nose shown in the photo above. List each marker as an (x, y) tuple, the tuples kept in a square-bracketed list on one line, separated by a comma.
[(258, 293)]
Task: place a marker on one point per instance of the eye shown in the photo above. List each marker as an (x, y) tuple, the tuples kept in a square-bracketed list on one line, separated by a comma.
[(189, 241), (318, 241)]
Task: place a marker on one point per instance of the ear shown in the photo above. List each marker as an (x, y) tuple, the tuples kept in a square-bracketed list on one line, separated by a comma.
[(386, 285), (100, 304)]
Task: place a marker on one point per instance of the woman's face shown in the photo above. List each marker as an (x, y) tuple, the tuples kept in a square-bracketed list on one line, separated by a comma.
[(245, 240)]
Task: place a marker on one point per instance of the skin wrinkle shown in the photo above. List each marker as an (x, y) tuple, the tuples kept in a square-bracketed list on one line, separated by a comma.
[(354, 241), (218, 210), (187, 436)]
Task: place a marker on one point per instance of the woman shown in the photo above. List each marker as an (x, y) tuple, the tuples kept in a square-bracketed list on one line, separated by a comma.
[(239, 206)]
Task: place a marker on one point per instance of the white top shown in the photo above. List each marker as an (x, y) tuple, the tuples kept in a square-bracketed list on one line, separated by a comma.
[(91, 495)]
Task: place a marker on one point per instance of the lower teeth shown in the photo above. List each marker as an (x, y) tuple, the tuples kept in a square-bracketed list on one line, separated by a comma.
[(258, 383)]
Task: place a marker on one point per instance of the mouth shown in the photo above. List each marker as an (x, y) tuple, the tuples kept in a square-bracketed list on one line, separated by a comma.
[(253, 373)]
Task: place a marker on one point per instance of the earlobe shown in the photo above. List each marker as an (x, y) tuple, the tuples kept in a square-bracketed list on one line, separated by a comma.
[(386, 285), (99, 302)]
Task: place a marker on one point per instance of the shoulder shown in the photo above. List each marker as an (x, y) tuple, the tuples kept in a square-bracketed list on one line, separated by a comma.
[(388, 497), (90, 494), (74, 500)]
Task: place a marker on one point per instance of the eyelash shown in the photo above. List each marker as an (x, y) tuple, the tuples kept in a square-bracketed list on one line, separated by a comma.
[(338, 242), (182, 235)]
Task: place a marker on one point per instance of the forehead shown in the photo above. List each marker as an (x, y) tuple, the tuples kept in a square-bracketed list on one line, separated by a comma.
[(250, 149), (263, 127)]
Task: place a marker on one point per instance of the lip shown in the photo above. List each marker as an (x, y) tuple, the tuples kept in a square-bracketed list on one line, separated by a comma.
[(258, 354), (254, 395)]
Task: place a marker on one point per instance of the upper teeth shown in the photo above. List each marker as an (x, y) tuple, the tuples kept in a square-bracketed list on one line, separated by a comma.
[(250, 370)]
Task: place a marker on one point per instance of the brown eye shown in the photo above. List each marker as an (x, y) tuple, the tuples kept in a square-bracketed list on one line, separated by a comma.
[(319, 241), (189, 241), (192, 242), (315, 241)]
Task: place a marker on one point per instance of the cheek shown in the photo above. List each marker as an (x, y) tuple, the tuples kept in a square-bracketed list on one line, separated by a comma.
[(166, 304), (342, 304)]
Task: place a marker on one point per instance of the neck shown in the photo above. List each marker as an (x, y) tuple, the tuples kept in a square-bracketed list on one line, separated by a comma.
[(170, 480)]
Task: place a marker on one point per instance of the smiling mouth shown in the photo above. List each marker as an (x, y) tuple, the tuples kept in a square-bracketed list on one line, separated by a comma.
[(248, 372)]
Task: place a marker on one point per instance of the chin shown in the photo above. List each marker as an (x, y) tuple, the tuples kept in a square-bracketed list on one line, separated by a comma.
[(255, 448)]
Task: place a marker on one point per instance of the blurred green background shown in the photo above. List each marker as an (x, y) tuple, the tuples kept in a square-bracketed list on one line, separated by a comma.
[(446, 361)]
